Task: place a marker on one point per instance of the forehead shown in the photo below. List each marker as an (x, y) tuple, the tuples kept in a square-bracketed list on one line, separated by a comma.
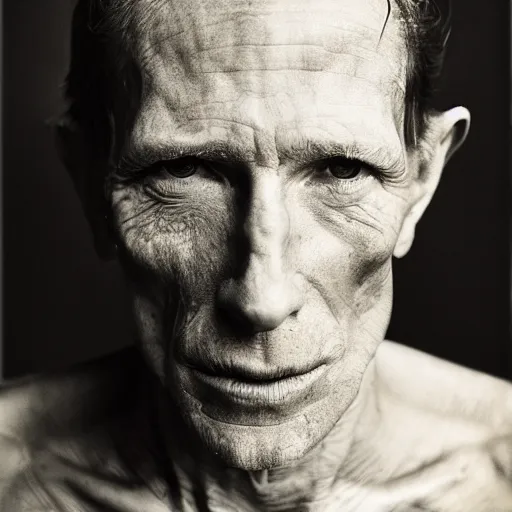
[(233, 68)]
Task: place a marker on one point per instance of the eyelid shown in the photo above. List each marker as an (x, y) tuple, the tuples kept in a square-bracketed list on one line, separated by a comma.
[(381, 172), (340, 160), (134, 168), (345, 159), (206, 170), (176, 163)]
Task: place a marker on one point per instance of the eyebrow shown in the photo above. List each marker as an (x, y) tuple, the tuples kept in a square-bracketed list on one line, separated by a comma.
[(385, 157), (146, 154)]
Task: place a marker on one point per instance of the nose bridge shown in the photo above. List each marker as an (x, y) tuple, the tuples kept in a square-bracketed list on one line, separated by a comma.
[(267, 226), (266, 293)]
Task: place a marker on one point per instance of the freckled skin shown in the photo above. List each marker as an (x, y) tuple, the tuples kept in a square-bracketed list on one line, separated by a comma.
[(269, 262)]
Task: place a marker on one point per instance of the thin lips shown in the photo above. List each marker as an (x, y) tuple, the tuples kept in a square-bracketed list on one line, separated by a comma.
[(252, 375), (270, 391)]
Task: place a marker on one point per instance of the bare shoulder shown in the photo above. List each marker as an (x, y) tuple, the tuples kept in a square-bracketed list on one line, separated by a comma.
[(443, 388), (63, 400), (447, 430), (41, 414), (23, 411)]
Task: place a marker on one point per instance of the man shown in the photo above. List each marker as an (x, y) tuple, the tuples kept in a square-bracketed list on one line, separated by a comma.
[(254, 167)]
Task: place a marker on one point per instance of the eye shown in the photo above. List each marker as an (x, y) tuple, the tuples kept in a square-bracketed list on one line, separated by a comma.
[(180, 168), (169, 179), (344, 168)]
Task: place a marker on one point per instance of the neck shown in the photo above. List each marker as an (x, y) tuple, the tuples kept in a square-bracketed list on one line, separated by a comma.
[(203, 482)]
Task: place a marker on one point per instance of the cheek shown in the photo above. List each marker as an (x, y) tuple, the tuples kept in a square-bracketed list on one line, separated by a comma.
[(180, 245), (350, 245), (173, 258)]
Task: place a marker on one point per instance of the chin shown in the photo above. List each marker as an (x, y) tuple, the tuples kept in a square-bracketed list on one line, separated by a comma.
[(256, 447), (247, 428)]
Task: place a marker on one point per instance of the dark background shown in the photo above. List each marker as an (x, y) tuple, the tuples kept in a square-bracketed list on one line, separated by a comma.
[(61, 304)]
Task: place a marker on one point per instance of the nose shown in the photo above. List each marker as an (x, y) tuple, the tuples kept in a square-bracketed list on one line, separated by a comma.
[(268, 290)]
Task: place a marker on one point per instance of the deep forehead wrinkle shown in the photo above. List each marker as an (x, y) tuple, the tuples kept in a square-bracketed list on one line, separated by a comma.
[(142, 12), (146, 25), (199, 40), (131, 19), (193, 18), (248, 74), (160, 31)]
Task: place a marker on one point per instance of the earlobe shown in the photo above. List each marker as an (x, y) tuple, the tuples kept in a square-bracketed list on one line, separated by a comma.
[(446, 133), (408, 229), (405, 240)]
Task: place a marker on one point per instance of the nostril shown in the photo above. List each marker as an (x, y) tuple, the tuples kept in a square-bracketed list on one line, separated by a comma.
[(234, 319), (248, 321), (230, 310), (247, 313)]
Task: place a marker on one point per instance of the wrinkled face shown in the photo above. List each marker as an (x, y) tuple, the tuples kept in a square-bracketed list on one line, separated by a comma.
[(261, 199)]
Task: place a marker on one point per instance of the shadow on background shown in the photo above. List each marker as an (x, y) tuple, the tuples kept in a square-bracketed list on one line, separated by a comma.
[(62, 305)]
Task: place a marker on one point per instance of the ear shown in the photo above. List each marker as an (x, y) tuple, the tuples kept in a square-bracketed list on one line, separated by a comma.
[(444, 135), (88, 176)]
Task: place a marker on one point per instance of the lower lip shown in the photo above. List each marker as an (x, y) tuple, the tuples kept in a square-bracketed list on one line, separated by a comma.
[(264, 392)]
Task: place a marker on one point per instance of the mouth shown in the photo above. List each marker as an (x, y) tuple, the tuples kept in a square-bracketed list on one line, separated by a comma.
[(259, 388)]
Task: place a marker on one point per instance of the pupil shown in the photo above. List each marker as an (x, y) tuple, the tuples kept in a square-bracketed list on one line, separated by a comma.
[(184, 171), (344, 172)]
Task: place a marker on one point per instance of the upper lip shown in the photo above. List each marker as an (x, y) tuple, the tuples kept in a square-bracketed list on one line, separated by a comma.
[(248, 374)]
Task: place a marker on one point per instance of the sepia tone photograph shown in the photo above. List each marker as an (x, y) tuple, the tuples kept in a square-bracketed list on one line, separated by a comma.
[(256, 256)]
